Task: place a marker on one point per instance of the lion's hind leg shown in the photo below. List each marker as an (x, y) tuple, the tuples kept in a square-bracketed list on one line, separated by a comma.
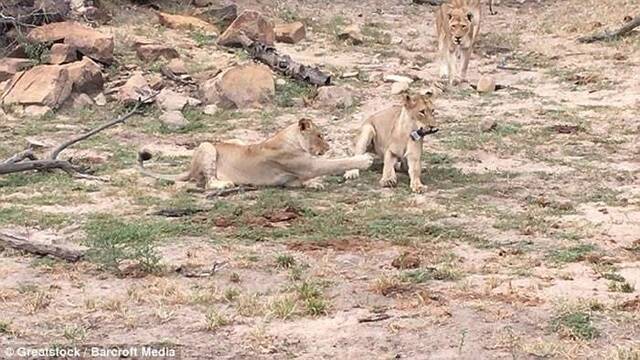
[(203, 167), (363, 144)]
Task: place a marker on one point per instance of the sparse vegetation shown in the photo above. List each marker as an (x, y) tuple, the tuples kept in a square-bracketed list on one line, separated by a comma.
[(529, 217)]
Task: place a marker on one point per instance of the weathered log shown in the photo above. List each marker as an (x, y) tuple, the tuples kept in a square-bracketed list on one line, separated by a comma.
[(284, 64), (26, 154), (610, 35), (38, 248)]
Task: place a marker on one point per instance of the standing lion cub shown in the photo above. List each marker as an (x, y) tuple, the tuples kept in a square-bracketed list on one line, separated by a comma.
[(457, 27), (396, 135), (289, 158)]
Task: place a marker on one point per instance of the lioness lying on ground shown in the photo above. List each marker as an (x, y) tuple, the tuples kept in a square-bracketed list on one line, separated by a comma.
[(395, 135), (457, 26), (285, 159)]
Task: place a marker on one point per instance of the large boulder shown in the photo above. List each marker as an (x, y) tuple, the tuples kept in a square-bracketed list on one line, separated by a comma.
[(10, 66), (242, 86), (252, 24), (290, 33), (85, 75), (46, 85), (186, 23), (87, 41)]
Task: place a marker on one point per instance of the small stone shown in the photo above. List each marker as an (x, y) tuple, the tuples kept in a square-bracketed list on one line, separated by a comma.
[(47, 85), (350, 74), (399, 87), (290, 33), (210, 109), (81, 101), (62, 54), (488, 125), (153, 52), (134, 89), (352, 34), (281, 82), (334, 97), (100, 99), (177, 66), (486, 84), (244, 86), (36, 110), (406, 261), (169, 100), (174, 120), (397, 78), (156, 81)]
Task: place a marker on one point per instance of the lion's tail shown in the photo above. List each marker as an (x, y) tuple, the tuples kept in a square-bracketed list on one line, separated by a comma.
[(144, 155)]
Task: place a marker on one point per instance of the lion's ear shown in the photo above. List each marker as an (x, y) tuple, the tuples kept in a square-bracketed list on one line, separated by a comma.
[(470, 16), (304, 124), (408, 100)]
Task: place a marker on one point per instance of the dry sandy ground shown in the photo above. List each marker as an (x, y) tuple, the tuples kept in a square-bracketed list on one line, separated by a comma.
[(528, 239)]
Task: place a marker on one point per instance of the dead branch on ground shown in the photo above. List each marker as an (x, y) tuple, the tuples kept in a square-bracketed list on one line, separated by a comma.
[(38, 248), (284, 64), (16, 162), (610, 35)]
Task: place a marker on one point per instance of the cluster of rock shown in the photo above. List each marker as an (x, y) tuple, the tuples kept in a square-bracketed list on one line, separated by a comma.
[(73, 72)]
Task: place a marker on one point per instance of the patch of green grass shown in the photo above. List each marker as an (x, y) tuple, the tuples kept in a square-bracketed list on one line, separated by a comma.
[(4, 327), (202, 39), (34, 219), (215, 320), (575, 325), (287, 94), (623, 287), (335, 24), (374, 33), (316, 306), (74, 333), (284, 307), (285, 261), (231, 294), (443, 273), (112, 241), (571, 254)]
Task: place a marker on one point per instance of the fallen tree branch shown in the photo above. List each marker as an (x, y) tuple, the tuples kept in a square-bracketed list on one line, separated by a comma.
[(230, 191), (374, 318), (610, 35), (284, 64), (16, 164), (26, 154), (38, 248)]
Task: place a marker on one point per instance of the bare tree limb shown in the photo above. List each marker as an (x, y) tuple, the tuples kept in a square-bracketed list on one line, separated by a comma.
[(16, 164), (26, 154), (609, 35), (121, 119), (38, 248)]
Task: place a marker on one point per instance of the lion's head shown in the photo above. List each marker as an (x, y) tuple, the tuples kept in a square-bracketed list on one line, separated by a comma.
[(421, 109), (460, 25), (311, 138)]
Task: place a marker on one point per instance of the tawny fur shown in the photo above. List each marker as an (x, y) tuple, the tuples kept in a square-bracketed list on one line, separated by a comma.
[(289, 158), (457, 28), (387, 135)]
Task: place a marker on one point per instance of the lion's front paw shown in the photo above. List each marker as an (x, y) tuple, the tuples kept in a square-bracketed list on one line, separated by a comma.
[(364, 161), (314, 185), (352, 174), (418, 188), (389, 182), (219, 185)]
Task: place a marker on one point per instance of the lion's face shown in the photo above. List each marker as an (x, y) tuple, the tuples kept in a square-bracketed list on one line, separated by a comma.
[(460, 26), (421, 109), (311, 138)]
